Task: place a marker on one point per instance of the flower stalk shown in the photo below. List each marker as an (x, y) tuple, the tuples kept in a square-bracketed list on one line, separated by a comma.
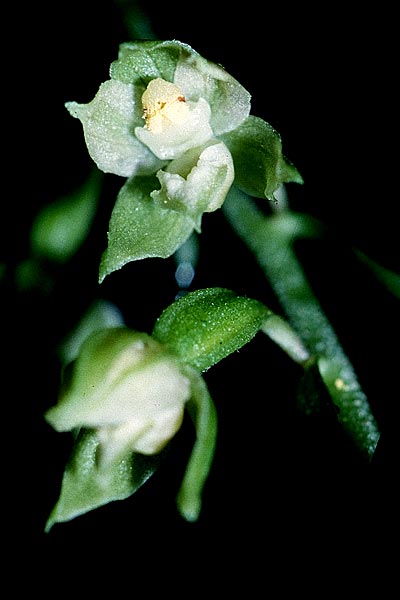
[(270, 240)]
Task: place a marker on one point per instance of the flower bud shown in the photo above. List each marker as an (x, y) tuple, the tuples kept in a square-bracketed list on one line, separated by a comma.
[(127, 387)]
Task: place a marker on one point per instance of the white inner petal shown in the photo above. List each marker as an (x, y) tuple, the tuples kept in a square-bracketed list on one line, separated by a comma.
[(175, 127)]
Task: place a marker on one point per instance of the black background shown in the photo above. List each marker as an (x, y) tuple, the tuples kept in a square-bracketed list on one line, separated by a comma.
[(286, 494)]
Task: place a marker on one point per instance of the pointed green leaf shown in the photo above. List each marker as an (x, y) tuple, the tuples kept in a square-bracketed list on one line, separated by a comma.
[(84, 487), (139, 228), (260, 167), (207, 325)]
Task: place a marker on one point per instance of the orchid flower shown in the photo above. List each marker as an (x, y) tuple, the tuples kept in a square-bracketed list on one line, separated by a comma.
[(178, 128)]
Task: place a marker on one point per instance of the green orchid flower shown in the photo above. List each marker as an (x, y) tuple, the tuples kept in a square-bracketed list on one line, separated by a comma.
[(126, 388), (125, 395), (179, 128)]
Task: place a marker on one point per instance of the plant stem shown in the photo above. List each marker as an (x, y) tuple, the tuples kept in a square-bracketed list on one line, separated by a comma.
[(204, 416), (270, 240)]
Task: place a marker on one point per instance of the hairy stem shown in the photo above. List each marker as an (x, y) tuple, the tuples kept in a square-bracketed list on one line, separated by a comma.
[(270, 240)]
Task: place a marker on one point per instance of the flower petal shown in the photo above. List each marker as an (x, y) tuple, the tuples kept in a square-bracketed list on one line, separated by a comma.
[(171, 142), (200, 78), (143, 435), (108, 122), (139, 62), (120, 376), (197, 182)]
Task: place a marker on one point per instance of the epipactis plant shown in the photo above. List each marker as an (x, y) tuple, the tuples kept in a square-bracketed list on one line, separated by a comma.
[(179, 128)]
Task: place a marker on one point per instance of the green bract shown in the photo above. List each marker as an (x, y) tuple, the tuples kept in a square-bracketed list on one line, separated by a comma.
[(179, 128), (199, 326)]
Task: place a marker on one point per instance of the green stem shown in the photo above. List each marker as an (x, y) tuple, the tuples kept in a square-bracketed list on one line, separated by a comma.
[(203, 413), (283, 334), (270, 239)]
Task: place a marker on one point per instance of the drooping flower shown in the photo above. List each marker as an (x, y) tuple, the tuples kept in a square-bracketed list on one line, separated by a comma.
[(127, 388), (179, 128), (124, 399), (125, 394)]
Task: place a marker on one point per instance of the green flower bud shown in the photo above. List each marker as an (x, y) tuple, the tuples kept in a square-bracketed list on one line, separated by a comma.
[(127, 387)]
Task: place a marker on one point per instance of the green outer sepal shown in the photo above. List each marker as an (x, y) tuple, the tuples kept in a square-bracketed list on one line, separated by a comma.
[(84, 488), (140, 61), (260, 167), (139, 228)]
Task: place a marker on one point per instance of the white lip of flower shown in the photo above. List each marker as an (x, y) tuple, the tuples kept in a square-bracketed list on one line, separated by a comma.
[(143, 411), (193, 188), (145, 436), (164, 105), (173, 125)]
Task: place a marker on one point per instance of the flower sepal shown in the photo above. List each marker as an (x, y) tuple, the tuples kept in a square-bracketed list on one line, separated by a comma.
[(260, 166), (140, 228)]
